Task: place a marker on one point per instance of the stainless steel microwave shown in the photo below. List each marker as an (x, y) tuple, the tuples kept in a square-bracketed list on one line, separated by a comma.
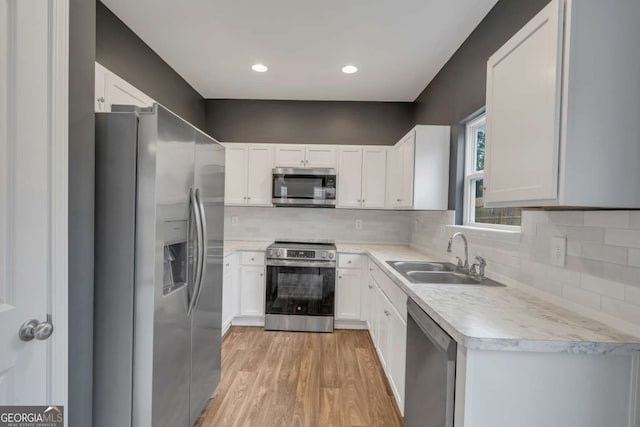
[(309, 187)]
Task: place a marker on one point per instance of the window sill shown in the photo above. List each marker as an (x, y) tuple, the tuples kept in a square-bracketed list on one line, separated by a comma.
[(508, 236)]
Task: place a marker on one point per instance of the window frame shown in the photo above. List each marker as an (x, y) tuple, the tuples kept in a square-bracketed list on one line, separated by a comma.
[(471, 175)]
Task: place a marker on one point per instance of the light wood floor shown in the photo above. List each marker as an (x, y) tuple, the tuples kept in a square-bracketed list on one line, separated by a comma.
[(300, 379)]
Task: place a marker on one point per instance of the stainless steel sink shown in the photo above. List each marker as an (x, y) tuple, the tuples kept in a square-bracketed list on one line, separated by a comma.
[(438, 272)]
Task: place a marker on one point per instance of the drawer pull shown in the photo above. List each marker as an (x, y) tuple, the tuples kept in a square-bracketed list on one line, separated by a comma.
[(386, 313)]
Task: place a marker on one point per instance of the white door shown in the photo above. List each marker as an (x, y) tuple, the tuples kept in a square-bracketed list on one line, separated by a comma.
[(374, 177), (235, 178), (523, 112), (382, 327), (252, 292), (408, 150), (289, 156), (320, 156), (348, 294), (349, 177), (120, 92), (397, 354), (101, 88), (394, 180), (259, 175), (228, 291), (33, 202)]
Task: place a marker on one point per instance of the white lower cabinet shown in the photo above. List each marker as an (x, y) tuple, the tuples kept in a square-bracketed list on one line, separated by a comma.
[(252, 291), (229, 291), (348, 294)]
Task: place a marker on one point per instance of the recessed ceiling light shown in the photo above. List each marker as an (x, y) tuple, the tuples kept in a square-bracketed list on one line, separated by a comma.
[(260, 68), (349, 69)]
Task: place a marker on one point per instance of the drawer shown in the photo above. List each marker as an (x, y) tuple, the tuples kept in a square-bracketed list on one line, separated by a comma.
[(396, 295), (252, 258), (350, 260)]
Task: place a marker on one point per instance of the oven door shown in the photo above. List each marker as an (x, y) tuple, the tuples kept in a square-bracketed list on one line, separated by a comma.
[(300, 288)]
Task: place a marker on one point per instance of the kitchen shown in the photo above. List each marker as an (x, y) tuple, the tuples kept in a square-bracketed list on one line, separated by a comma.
[(373, 213), (325, 200)]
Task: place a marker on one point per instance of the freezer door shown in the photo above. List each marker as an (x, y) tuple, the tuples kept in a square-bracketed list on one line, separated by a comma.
[(207, 313), (165, 194)]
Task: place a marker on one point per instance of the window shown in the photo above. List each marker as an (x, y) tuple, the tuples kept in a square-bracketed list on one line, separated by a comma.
[(474, 211)]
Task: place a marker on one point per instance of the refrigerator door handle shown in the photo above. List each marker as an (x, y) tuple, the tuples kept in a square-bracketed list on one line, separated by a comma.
[(203, 246), (193, 204)]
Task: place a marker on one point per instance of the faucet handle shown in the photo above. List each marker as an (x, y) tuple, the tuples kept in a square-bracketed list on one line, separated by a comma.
[(482, 263), (460, 263)]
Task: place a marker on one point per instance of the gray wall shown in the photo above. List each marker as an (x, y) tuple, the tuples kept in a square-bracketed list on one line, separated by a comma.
[(123, 52), (459, 88), (82, 26), (308, 122)]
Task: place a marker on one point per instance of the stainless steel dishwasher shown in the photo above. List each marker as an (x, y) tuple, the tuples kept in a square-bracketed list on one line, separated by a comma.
[(431, 372)]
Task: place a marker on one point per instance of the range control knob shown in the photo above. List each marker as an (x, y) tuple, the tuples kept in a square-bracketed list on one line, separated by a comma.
[(279, 253), (271, 253), (331, 255)]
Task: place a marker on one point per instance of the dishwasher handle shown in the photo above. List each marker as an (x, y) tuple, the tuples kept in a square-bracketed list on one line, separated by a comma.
[(431, 330)]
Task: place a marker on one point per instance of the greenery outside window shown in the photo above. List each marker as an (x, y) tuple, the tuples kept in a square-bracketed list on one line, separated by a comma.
[(475, 214)]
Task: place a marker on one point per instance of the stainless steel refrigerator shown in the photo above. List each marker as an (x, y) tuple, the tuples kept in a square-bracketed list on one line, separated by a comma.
[(159, 227)]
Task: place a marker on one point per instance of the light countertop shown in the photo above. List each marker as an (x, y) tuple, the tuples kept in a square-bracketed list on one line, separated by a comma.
[(500, 318), (506, 318)]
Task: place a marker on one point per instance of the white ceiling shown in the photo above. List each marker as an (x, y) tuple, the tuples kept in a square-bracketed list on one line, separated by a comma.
[(398, 45)]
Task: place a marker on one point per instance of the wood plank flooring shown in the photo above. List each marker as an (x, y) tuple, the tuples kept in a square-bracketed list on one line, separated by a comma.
[(300, 380)]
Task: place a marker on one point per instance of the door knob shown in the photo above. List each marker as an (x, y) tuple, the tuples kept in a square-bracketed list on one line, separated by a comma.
[(33, 329)]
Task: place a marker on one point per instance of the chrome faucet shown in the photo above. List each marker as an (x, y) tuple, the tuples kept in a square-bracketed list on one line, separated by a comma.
[(466, 250), (477, 269)]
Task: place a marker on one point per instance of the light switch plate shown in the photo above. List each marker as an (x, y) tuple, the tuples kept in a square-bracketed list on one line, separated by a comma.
[(558, 251), (358, 224)]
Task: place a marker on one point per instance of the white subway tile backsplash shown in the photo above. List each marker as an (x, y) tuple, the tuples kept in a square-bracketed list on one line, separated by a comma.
[(614, 254), (634, 257), (634, 220), (607, 219), (632, 295), (622, 237), (566, 218), (602, 286)]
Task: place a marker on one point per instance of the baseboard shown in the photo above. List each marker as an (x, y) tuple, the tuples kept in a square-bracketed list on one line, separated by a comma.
[(350, 324), (248, 321), (225, 328)]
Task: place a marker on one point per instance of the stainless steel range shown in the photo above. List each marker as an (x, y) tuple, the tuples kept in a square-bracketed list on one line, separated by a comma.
[(301, 281)]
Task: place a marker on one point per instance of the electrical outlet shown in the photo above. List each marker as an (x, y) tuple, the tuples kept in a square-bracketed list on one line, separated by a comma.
[(235, 221), (558, 251), (358, 224)]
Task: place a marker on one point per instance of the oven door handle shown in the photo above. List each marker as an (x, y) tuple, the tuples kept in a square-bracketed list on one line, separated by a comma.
[(295, 263)]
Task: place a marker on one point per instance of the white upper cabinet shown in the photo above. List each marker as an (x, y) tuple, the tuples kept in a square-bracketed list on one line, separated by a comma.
[(349, 191), (111, 89), (418, 170), (248, 174), (289, 156), (305, 156), (374, 177), (361, 177), (562, 109)]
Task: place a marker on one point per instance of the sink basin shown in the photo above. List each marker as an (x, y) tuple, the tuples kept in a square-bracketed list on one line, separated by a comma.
[(443, 273), (441, 277), (406, 266)]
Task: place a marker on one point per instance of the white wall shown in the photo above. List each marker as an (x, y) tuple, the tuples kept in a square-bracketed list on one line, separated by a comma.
[(603, 255), (256, 223)]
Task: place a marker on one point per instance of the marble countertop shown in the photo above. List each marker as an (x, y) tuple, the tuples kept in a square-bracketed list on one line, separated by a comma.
[(500, 318), (489, 318)]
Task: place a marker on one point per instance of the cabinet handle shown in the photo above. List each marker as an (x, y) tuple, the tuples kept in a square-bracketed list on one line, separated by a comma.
[(253, 259), (349, 262), (101, 99), (339, 277), (226, 265), (370, 287), (398, 200), (386, 313), (261, 274)]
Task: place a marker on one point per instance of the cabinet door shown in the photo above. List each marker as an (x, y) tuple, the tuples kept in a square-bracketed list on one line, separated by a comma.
[(252, 292), (235, 181), (397, 355), (523, 112), (374, 177), (395, 177), (101, 87), (289, 156), (382, 328), (259, 174), (349, 177), (320, 156), (229, 305), (407, 153), (372, 290), (348, 294), (120, 91)]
